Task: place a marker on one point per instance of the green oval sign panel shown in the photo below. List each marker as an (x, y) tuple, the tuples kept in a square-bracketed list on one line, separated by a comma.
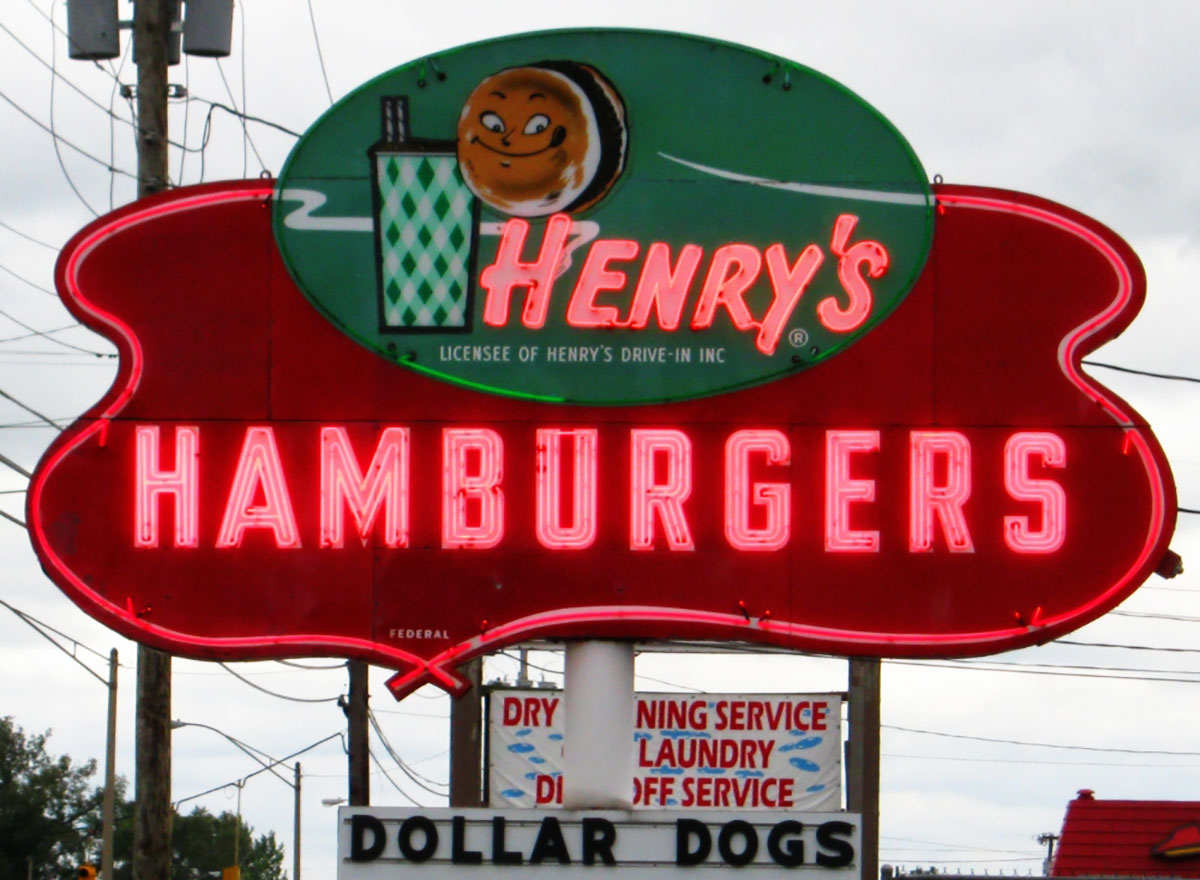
[(604, 216)]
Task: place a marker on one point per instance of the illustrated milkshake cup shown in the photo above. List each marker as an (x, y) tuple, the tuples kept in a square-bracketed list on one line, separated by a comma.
[(426, 220)]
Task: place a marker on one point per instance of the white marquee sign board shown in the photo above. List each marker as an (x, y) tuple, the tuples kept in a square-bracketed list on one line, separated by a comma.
[(417, 843)]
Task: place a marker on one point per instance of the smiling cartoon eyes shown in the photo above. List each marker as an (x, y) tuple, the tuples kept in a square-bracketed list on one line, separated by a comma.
[(492, 122), (537, 123)]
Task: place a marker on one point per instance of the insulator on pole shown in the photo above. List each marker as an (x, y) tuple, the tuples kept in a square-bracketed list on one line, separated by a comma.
[(92, 30), (208, 28)]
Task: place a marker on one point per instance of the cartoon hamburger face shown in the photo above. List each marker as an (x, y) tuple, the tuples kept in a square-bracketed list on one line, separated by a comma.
[(542, 139)]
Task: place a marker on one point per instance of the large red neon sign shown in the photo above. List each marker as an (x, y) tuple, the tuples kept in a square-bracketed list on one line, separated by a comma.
[(257, 484)]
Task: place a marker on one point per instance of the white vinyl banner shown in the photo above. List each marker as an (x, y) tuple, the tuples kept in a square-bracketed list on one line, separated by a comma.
[(423, 843), (691, 751)]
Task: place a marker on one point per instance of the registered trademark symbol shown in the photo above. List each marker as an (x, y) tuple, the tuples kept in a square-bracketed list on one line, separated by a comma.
[(798, 337)]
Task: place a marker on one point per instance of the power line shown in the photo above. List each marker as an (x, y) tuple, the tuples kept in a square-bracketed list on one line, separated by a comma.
[(1131, 370), (55, 26), (1128, 647), (241, 780), (1148, 615), (415, 777), (233, 111), (25, 280), (54, 134), (271, 693), (36, 332), (41, 333), (305, 666), (246, 139), (5, 460), (1016, 742), (59, 138), (1118, 763), (57, 74), (962, 846), (42, 628), (410, 714), (1028, 669), (30, 410), (408, 797), (1069, 666), (320, 57), (23, 235)]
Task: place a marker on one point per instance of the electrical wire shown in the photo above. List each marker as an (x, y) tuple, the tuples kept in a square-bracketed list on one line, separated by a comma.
[(1119, 763), (408, 797), (233, 111), (51, 66), (1128, 647), (67, 36), (1070, 666), (1131, 370), (41, 627), (24, 280), (320, 57), (187, 112), (36, 332), (1016, 742), (958, 665), (31, 410), (60, 139), (305, 666), (962, 846), (117, 89), (27, 237), (416, 778), (5, 460), (246, 139), (242, 780), (1148, 615), (271, 693), (53, 134)]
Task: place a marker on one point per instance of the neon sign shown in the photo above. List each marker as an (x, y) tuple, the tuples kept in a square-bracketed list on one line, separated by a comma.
[(604, 219), (951, 484), (757, 513)]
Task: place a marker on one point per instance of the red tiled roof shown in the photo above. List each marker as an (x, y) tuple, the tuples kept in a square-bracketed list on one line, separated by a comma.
[(1119, 838)]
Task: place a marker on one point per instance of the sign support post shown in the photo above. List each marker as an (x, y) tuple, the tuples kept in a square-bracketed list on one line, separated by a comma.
[(862, 765), (598, 693), (358, 736), (466, 726)]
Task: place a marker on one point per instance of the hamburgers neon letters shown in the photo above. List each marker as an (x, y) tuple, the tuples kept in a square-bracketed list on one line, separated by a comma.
[(356, 501)]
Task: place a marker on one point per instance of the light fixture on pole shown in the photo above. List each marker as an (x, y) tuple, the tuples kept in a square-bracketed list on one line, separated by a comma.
[(254, 753)]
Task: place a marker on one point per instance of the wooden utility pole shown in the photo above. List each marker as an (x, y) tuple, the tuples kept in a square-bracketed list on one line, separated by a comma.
[(466, 726), (358, 736), (108, 811), (296, 824), (152, 811), (862, 764)]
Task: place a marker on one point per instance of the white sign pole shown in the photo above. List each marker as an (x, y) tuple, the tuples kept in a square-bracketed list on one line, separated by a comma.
[(598, 728)]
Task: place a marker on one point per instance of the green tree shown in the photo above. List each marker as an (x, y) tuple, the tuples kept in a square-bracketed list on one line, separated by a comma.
[(49, 811), (202, 845)]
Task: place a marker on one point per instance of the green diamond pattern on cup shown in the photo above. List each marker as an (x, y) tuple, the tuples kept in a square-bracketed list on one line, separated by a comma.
[(425, 230)]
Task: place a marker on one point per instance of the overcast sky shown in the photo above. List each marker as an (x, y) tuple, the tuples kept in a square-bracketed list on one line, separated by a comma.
[(1092, 104)]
